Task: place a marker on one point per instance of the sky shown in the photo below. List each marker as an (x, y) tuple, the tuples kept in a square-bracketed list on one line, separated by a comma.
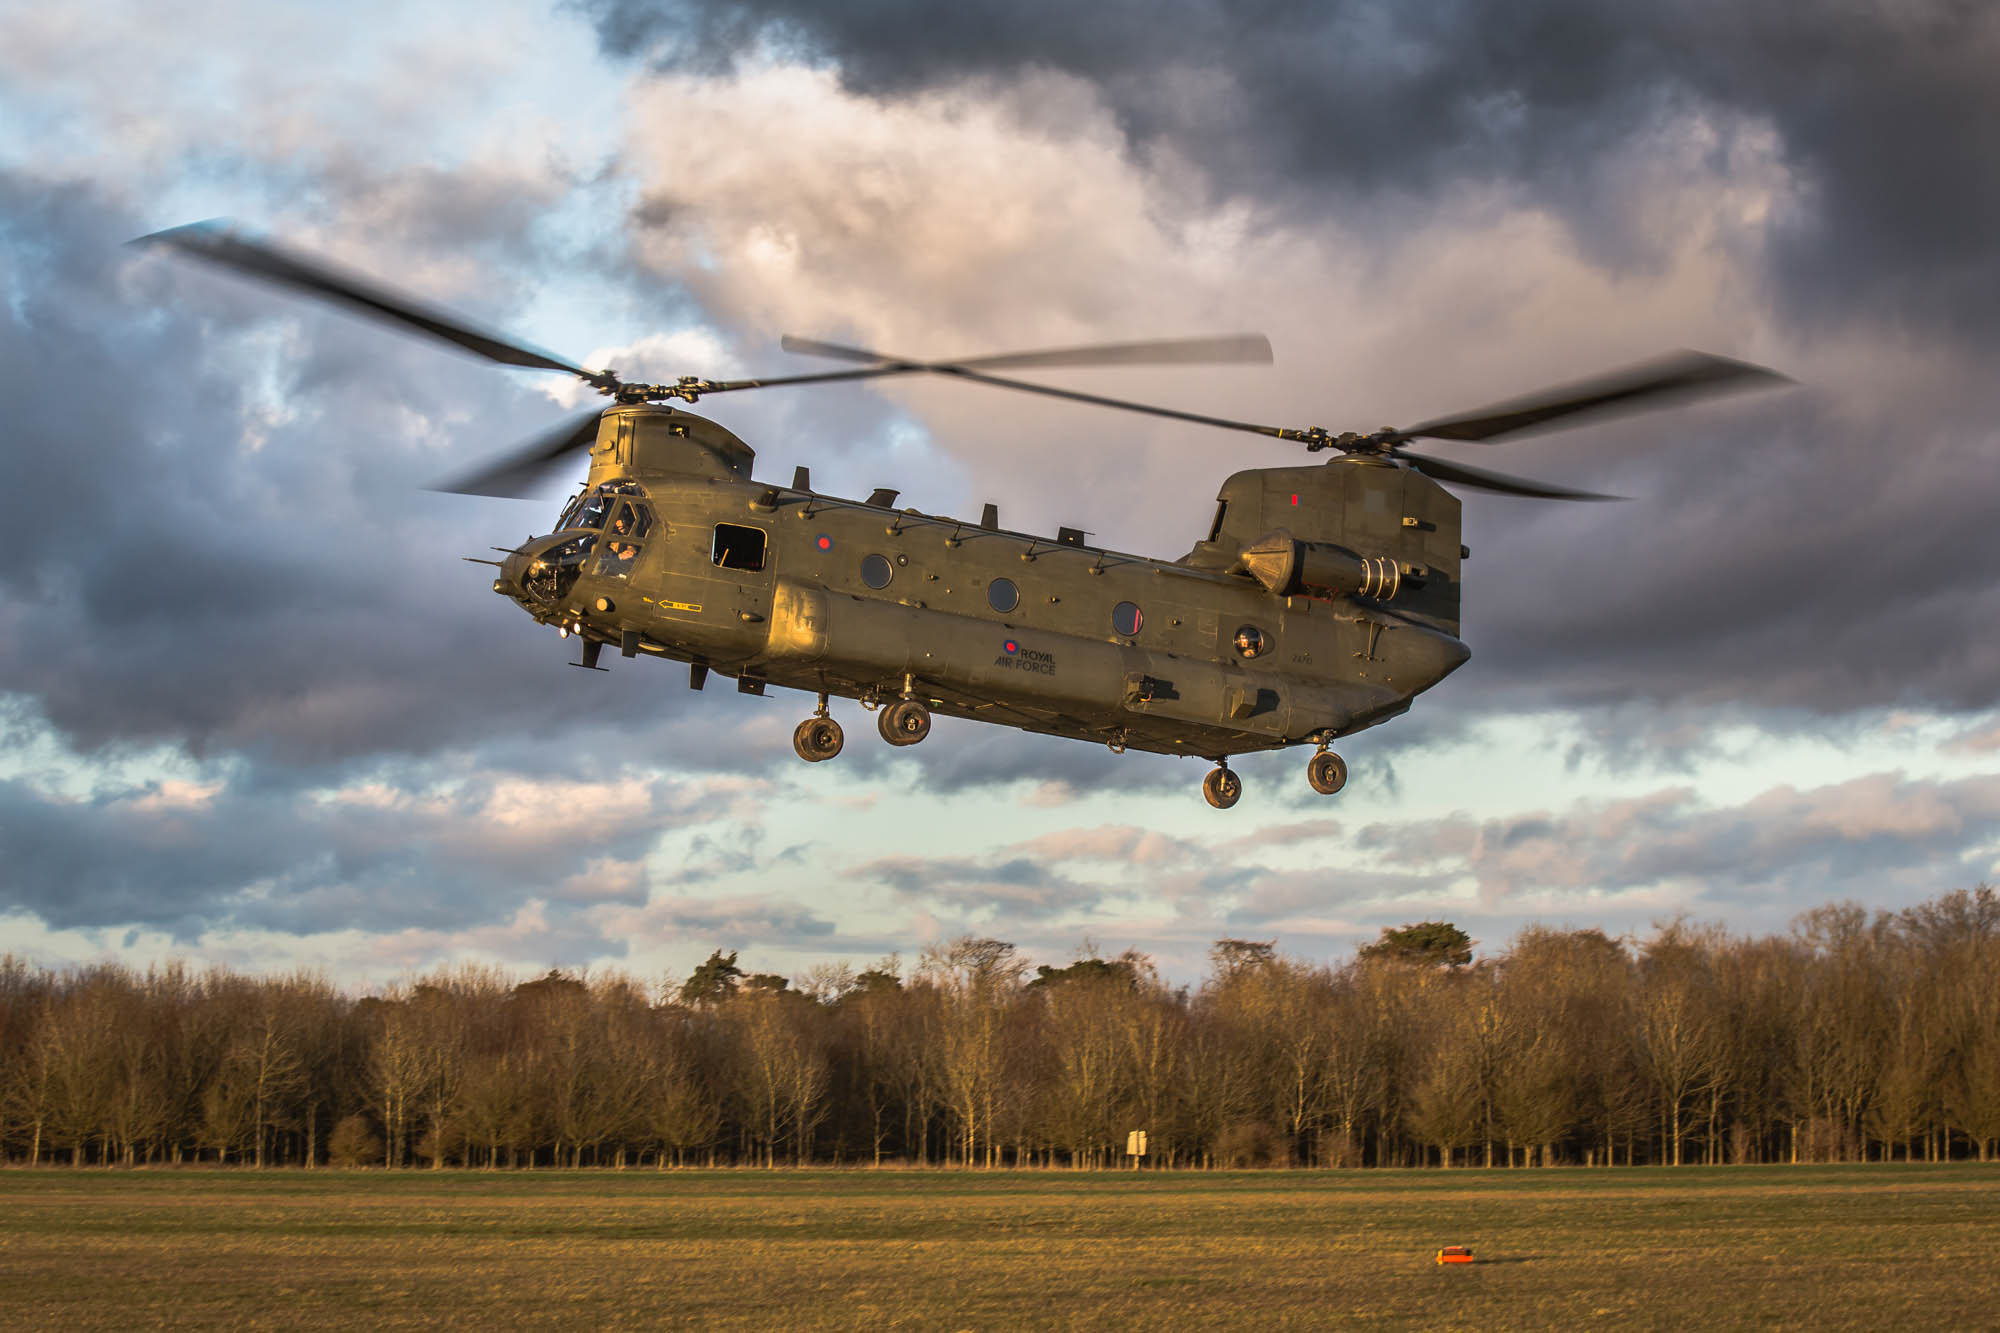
[(256, 712)]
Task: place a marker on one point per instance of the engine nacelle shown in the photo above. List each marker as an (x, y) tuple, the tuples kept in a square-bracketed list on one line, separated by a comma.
[(1289, 567)]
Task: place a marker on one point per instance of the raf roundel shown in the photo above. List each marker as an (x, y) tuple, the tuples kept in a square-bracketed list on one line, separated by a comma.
[(825, 542), (1011, 646)]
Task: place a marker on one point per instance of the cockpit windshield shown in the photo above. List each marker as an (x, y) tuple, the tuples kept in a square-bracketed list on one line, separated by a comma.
[(594, 506)]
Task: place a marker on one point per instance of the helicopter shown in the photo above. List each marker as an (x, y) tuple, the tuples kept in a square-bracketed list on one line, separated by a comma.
[(1323, 599)]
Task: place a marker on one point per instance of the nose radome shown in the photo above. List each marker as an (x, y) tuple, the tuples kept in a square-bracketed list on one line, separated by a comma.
[(512, 570)]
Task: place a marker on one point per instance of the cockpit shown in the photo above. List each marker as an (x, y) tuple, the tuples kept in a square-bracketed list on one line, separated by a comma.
[(611, 520)]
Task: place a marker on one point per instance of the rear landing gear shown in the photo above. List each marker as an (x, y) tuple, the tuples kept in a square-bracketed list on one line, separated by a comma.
[(818, 737), (1327, 772), (1221, 788), (904, 722)]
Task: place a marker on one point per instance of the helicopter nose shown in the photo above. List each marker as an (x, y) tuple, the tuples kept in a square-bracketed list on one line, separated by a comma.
[(513, 573)]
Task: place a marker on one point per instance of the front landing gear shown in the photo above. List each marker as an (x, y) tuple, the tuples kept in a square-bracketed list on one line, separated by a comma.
[(1221, 788), (1327, 772), (819, 737)]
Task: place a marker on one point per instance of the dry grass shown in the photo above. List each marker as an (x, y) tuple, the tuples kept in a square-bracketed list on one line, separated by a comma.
[(1856, 1247)]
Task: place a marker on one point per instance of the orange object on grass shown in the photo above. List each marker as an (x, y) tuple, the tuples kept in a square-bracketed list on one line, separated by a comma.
[(1455, 1254)]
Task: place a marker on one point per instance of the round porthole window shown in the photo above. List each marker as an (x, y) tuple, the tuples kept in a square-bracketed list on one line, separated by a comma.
[(1002, 595), (876, 571), (1126, 617), (1250, 641)]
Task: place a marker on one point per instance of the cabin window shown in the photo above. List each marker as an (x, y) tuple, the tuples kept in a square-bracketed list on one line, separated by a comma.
[(876, 571), (1002, 595), (1251, 641), (1126, 617), (739, 547)]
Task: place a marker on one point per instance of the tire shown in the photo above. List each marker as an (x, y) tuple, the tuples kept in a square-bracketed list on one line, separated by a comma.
[(1327, 772), (817, 739), (1221, 788), (904, 722)]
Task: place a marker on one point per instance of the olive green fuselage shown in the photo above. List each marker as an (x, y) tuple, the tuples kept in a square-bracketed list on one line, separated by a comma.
[(778, 585)]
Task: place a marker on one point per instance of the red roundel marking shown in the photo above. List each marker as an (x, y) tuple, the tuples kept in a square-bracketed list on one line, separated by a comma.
[(1011, 646), (825, 542), (1295, 499)]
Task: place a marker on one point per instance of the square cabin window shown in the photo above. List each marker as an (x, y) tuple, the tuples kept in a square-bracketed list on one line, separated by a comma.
[(739, 547)]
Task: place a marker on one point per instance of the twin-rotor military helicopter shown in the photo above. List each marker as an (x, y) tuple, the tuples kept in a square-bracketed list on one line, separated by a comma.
[(1322, 600)]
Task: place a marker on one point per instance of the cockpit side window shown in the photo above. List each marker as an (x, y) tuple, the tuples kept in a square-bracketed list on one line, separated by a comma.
[(631, 521), (739, 547), (593, 513), (617, 559)]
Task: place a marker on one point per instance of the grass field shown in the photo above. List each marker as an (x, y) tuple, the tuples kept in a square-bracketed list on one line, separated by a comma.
[(1801, 1247)]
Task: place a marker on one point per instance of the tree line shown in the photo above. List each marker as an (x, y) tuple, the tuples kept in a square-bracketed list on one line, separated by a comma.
[(1850, 1038)]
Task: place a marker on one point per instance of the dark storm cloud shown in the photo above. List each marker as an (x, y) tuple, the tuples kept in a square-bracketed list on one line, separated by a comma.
[(1788, 557), (219, 547), (1795, 556), (220, 540), (1887, 113)]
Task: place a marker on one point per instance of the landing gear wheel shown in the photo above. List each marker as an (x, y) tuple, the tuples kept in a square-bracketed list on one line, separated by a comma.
[(904, 722), (1221, 788), (817, 739), (1327, 772)]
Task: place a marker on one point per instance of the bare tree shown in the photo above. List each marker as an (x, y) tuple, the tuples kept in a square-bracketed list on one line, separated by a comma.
[(978, 982), (1681, 1026)]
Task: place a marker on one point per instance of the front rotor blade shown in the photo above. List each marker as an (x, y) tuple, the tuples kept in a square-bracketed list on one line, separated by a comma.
[(1234, 349), (520, 474), (1676, 378), (1437, 469), (1122, 404), (962, 370), (218, 244)]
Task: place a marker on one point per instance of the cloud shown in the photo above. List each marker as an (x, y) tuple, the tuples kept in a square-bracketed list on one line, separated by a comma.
[(265, 702), (407, 850), (1873, 838), (999, 891), (1733, 579), (1368, 107), (1122, 844)]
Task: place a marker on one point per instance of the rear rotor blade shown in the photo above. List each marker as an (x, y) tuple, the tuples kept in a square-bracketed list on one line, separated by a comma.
[(1676, 378), (1437, 469), (521, 473), (219, 244), (1235, 349)]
